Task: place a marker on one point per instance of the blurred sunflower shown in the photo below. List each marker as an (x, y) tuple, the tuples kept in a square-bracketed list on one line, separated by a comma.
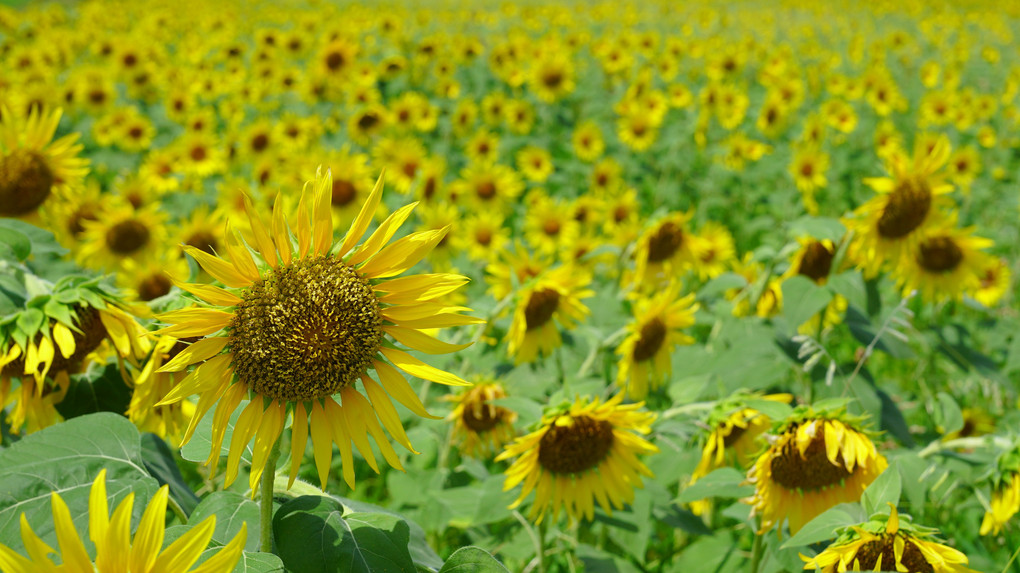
[(646, 353), (582, 453), (306, 325), (479, 426), (947, 264), (819, 459), (32, 165), (1005, 501), (888, 543), (552, 74), (485, 235), (123, 233), (887, 227), (549, 301), (548, 224), (488, 185), (665, 250), (808, 170), (588, 141), (114, 548), (535, 163), (149, 386), (994, 282)]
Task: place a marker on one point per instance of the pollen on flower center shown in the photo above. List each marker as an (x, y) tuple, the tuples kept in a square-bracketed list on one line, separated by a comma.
[(306, 330), (812, 471), (907, 208), (577, 447), (25, 182), (939, 255), (817, 261), (541, 306), (653, 333), (666, 240), (127, 237), (912, 559)]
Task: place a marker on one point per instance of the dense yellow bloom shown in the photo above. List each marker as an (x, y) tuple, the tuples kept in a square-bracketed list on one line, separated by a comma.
[(275, 336), (581, 454), (115, 550)]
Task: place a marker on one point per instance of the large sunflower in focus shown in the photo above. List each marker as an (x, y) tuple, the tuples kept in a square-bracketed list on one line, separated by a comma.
[(819, 460), (302, 321), (887, 227), (32, 165), (581, 453)]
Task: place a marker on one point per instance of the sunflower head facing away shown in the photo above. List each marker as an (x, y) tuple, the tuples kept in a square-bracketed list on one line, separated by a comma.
[(115, 550), (888, 543), (301, 322), (582, 452), (820, 458), (479, 426)]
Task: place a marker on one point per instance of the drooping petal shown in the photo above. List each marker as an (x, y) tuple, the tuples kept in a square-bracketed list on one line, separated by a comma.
[(203, 379), (265, 438), (247, 426), (322, 442), (386, 412), (397, 386), (298, 441), (337, 423)]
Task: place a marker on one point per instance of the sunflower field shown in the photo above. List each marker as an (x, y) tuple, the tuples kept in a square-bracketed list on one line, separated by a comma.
[(530, 287)]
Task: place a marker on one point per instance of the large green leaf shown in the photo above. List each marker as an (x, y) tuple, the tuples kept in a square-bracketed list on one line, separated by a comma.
[(802, 298), (472, 560), (824, 526), (421, 552), (253, 562), (232, 510), (100, 389), (885, 489), (65, 459), (723, 482), (313, 534)]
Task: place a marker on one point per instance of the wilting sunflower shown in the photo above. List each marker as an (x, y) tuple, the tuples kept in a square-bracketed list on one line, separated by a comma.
[(887, 227), (303, 322), (32, 165), (734, 437), (583, 452), (114, 548), (888, 543), (818, 460), (549, 301), (646, 352), (479, 426), (946, 264)]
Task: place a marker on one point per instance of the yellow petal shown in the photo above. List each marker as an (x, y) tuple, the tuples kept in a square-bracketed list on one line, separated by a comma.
[(262, 239), (403, 254), (418, 311), (226, 558), (298, 441), (193, 322), (148, 538), (99, 512), (281, 232), (72, 550), (304, 227), (340, 429), (416, 288), (322, 222), (240, 256), (228, 403), (363, 219), (399, 389), (182, 553), (204, 378), (382, 235), (218, 268), (322, 442), (246, 426), (357, 425), (36, 548), (418, 340), (416, 367), (64, 339), (893, 524), (368, 417), (387, 413), (198, 351), (441, 320), (209, 293), (265, 438)]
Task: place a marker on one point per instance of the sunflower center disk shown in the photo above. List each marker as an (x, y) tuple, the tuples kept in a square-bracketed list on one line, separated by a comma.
[(541, 306), (653, 333), (306, 330), (908, 206), (575, 448), (665, 242), (343, 192), (154, 286), (127, 237), (481, 417), (810, 472), (912, 557), (25, 182), (939, 255), (817, 261)]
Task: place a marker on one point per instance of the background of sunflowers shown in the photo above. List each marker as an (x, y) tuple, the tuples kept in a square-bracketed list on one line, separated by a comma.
[(701, 189)]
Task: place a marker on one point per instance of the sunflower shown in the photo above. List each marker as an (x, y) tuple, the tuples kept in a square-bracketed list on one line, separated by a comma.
[(664, 250), (114, 548), (124, 233), (32, 165), (479, 426), (888, 543), (488, 185), (718, 251), (551, 298), (994, 282), (149, 279), (819, 459), (583, 452), (66, 216), (520, 116), (485, 235), (646, 353), (947, 264), (512, 267), (887, 227), (402, 158), (552, 75), (1005, 503), (588, 141), (734, 436), (637, 130), (482, 147), (808, 170), (535, 163), (149, 387), (548, 224), (351, 184), (813, 259), (306, 324)]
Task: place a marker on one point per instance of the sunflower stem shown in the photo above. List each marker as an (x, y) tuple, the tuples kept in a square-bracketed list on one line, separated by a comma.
[(541, 547), (266, 499), (757, 550)]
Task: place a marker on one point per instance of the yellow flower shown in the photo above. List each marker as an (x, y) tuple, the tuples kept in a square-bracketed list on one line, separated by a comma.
[(946, 264), (994, 282), (479, 426), (535, 163), (665, 250), (717, 250), (32, 165), (808, 170), (1005, 504), (304, 321), (488, 185), (816, 462), (896, 545), (552, 75), (646, 352), (581, 454), (548, 224), (150, 385), (588, 141), (124, 233), (115, 551), (550, 299)]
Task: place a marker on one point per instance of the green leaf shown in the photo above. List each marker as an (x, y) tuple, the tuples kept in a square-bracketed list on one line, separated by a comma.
[(231, 510), (313, 534), (43, 242), (818, 227), (597, 561), (159, 460), (14, 244), (680, 518), (31, 320), (100, 389), (472, 560), (723, 482), (66, 458), (802, 299), (257, 562), (885, 489), (774, 409), (952, 417), (421, 552), (824, 526)]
